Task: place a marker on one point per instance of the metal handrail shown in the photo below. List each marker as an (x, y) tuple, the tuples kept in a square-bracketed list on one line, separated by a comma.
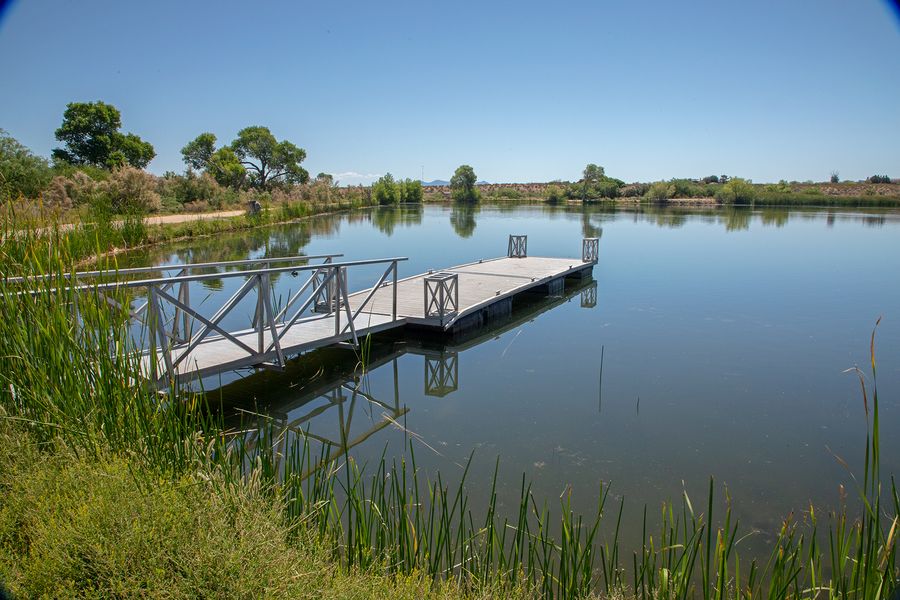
[(208, 276), (172, 267)]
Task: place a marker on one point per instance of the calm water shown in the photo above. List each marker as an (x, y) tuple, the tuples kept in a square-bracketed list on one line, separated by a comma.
[(724, 338)]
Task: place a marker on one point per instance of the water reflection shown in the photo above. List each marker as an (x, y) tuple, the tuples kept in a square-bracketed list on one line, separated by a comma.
[(462, 219), (386, 218), (329, 395)]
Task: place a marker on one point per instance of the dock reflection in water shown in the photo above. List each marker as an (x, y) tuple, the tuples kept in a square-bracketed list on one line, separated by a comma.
[(328, 395)]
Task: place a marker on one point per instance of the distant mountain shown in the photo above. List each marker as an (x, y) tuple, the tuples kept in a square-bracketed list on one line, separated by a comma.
[(438, 182)]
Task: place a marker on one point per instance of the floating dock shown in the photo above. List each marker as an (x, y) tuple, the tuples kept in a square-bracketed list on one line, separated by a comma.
[(181, 343)]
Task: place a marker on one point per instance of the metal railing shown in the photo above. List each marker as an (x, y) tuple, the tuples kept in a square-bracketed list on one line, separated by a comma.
[(517, 247), (441, 295), (172, 340), (590, 250)]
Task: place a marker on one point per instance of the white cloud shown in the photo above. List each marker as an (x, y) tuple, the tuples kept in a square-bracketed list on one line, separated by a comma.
[(354, 178)]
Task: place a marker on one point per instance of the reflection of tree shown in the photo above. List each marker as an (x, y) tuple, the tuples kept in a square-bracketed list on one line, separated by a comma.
[(873, 220), (462, 219), (775, 216), (737, 219), (588, 229), (386, 218)]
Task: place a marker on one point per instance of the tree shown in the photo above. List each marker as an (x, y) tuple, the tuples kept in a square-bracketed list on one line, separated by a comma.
[(593, 174), (267, 160), (255, 157), (90, 132), (325, 178), (223, 164), (22, 173), (385, 190), (736, 191), (835, 177), (462, 185)]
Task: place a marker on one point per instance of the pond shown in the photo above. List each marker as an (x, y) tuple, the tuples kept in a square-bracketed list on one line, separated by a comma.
[(711, 343)]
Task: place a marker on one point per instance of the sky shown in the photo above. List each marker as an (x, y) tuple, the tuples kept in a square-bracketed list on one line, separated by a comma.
[(522, 91)]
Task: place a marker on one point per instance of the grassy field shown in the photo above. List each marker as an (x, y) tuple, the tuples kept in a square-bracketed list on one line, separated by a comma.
[(109, 489)]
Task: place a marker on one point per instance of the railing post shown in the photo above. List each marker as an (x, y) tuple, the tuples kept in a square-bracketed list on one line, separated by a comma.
[(258, 319), (334, 301), (394, 287), (590, 250), (441, 295), (517, 247)]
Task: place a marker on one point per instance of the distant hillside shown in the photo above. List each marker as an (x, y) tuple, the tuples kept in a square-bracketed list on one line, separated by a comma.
[(440, 182)]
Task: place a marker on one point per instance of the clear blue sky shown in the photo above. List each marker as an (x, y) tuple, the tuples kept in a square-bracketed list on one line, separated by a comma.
[(522, 91)]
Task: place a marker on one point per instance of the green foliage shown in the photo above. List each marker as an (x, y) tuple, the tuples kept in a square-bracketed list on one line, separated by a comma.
[(410, 191), (835, 177), (268, 161), (22, 173), (255, 157), (326, 178), (660, 191), (593, 174), (555, 194), (90, 133), (223, 164), (736, 191), (595, 185), (710, 179), (462, 185), (879, 179), (385, 191)]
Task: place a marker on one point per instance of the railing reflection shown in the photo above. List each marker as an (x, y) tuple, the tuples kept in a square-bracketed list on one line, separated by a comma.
[(336, 396)]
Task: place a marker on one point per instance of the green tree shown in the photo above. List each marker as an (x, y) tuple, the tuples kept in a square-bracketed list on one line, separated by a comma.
[(255, 157), (462, 185), (835, 177), (222, 164), (411, 191), (326, 178), (593, 174), (268, 161), (736, 191), (90, 133), (660, 191), (22, 173), (385, 190)]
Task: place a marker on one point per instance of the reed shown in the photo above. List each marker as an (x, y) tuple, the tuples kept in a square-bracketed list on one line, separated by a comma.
[(70, 376)]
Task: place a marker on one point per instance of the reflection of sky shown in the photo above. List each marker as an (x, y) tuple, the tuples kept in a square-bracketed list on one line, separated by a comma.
[(724, 340)]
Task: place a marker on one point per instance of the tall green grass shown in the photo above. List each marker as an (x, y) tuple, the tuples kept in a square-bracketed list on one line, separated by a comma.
[(69, 376)]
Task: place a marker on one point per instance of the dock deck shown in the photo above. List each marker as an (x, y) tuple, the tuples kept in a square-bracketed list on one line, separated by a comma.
[(456, 299)]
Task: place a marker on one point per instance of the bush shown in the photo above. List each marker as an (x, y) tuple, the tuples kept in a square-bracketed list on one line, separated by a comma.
[(385, 190), (131, 190), (736, 191), (410, 191), (195, 190), (69, 192), (22, 174), (879, 179), (660, 191), (555, 194)]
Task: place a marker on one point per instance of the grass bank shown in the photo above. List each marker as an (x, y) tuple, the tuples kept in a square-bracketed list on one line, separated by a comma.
[(28, 233), (109, 489)]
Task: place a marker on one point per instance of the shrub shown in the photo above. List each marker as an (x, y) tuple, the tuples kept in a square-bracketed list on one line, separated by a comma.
[(21, 172), (68, 192), (879, 179), (660, 191), (385, 190), (410, 191), (131, 190), (736, 191), (555, 194)]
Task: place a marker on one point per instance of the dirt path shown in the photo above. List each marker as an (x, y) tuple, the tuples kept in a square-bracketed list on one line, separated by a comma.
[(184, 218)]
